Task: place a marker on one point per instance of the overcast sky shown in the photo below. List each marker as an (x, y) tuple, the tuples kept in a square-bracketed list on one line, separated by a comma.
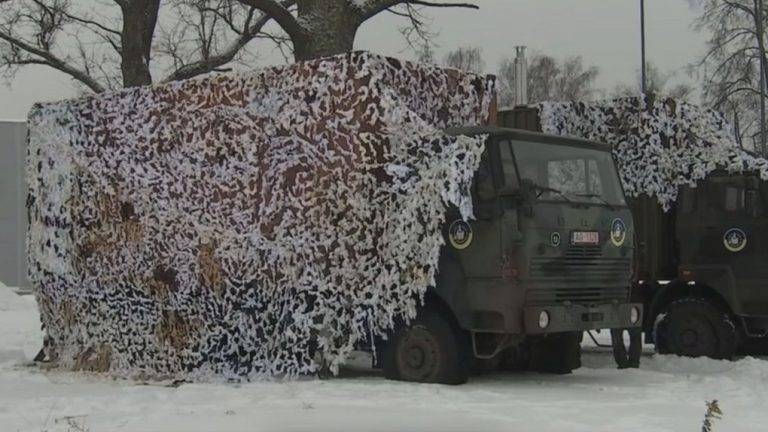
[(604, 32)]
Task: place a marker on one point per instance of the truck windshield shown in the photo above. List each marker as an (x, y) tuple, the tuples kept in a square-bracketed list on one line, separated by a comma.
[(563, 173)]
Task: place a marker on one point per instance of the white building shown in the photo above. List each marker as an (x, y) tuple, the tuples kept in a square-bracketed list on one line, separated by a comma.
[(13, 213)]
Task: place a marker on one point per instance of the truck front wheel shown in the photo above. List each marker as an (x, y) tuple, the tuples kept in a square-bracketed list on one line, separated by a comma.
[(429, 350), (695, 327)]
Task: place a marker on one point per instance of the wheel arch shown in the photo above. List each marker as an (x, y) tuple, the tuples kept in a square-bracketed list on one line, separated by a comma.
[(435, 302), (678, 289)]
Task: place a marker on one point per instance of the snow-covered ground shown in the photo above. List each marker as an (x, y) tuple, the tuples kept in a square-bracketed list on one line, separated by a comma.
[(666, 394)]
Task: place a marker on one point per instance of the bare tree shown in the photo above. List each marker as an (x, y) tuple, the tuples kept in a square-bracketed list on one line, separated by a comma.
[(321, 28), (657, 82), (105, 44), (730, 69), (469, 59), (549, 79), (216, 32)]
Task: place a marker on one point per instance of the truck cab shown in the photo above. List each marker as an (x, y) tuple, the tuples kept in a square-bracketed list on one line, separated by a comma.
[(707, 297), (548, 256)]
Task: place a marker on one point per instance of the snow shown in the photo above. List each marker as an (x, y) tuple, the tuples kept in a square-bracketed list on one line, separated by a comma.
[(666, 394)]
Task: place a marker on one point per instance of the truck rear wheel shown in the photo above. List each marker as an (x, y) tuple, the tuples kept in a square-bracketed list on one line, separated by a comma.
[(695, 327), (429, 350)]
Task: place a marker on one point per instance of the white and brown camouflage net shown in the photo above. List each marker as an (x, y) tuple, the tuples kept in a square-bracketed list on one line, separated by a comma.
[(660, 145), (244, 226)]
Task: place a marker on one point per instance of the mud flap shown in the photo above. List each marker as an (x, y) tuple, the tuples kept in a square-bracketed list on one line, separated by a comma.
[(556, 354)]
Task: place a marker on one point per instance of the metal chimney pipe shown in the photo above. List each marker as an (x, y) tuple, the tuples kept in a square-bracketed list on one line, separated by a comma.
[(521, 77)]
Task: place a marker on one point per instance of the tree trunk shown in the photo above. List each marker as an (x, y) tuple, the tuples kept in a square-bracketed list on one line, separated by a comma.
[(333, 25), (758, 15), (139, 22)]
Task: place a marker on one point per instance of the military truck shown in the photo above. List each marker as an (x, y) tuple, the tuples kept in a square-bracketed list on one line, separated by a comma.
[(700, 266), (548, 257)]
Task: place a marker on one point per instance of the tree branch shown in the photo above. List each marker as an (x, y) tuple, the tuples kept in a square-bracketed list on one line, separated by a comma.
[(205, 65), (48, 58), (373, 8), (281, 14)]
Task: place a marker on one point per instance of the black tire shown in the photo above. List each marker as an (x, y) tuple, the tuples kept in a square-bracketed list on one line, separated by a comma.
[(627, 357), (696, 327), (429, 350)]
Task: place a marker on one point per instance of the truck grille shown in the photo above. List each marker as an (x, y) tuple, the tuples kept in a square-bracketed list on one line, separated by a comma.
[(580, 276)]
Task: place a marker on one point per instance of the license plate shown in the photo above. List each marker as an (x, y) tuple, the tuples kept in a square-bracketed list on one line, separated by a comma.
[(585, 238)]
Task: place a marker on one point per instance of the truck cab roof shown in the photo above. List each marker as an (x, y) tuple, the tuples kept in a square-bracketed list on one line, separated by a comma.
[(525, 135)]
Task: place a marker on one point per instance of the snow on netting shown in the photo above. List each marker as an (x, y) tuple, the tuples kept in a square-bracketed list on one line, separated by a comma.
[(660, 144), (250, 225)]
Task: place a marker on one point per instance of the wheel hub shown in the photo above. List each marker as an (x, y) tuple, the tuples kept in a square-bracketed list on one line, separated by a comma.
[(689, 338), (415, 357), (418, 356), (695, 337)]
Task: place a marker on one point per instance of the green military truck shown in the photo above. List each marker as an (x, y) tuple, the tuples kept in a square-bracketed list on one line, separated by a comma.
[(700, 266), (548, 257)]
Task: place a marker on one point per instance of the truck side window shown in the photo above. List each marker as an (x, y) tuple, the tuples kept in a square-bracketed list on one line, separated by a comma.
[(726, 194), (734, 198), (508, 167), (483, 186)]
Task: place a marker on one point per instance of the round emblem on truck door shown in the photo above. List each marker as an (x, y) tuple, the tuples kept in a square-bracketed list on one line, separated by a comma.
[(555, 238), (460, 234), (618, 232), (735, 240)]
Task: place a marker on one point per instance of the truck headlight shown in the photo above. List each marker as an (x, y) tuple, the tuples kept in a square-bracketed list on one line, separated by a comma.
[(543, 319), (634, 315)]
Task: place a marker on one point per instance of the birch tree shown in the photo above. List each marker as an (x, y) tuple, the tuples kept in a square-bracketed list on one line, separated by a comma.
[(730, 70)]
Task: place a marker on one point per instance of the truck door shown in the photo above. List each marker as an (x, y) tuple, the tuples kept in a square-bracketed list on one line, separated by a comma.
[(477, 246), (509, 187), (749, 264), (471, 267)]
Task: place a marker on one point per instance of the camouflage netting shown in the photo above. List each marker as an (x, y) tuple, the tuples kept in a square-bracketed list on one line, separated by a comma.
[(244, 226), (661, 145)]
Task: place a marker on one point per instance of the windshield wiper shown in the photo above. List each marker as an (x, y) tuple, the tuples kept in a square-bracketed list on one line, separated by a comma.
[(603, 200), (553, 190)]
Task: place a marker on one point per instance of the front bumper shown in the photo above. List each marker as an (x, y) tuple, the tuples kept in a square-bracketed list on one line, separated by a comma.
[(575, 317)]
